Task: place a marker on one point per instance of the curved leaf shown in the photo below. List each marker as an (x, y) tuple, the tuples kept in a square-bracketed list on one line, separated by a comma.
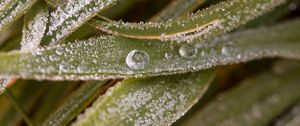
[(150, 101), (255, 102), (203, 25), (115, 57), (12, 11)]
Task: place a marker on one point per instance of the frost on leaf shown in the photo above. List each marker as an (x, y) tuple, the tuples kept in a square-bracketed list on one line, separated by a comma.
[(33, 31), (203, 25), (71, 15), (13, 10), (152, 101)]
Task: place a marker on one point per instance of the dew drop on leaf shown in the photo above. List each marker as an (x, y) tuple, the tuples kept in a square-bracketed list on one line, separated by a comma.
[(225, 50), (59, 51), (168, 55), (137, 59), (187, 51)]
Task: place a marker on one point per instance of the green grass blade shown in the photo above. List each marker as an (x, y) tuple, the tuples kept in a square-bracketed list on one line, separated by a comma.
[(255, 102), (77, 102), (203, 25), (13, 10), (150, 101), (114, 57), (71, 15), (177, 8), (19, 108), (27, 98)]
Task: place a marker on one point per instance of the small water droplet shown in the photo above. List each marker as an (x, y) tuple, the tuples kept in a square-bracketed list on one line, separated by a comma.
[(59, 51), (54, 58), (168, 55), (225, 50), (137, 59), (187, 51)]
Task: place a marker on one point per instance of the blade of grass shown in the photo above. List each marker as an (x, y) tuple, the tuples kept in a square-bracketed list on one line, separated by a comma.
[(255, 102), (18, 107), (203, 25), (105, 57), (77, 102), (151, 101), (13, 10), (27, 98)]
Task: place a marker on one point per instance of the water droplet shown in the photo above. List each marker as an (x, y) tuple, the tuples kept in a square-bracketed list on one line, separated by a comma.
[(225, 50), (59, 51), (137, 59), (187, 51), (54, 58), (168, 55)]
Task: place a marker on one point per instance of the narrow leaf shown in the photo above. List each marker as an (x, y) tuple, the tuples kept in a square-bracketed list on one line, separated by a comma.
[(150, 101), (253, 103), (115, 57), (203, 25)]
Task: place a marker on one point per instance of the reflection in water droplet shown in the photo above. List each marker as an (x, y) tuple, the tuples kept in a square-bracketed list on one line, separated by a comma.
[(225, 50), (168, 55), (59, 51), (187, 51), (137, 59)]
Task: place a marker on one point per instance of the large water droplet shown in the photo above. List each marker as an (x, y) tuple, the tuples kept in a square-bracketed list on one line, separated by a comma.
[(187, 51), (137, 59)]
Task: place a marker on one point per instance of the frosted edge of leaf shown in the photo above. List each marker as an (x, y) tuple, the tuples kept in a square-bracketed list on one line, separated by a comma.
[(230, 14), (71, 15), (3, 85), (160, 101), (34, 29)]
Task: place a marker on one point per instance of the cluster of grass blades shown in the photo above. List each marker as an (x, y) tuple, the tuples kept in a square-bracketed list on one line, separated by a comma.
[(151, 62)]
